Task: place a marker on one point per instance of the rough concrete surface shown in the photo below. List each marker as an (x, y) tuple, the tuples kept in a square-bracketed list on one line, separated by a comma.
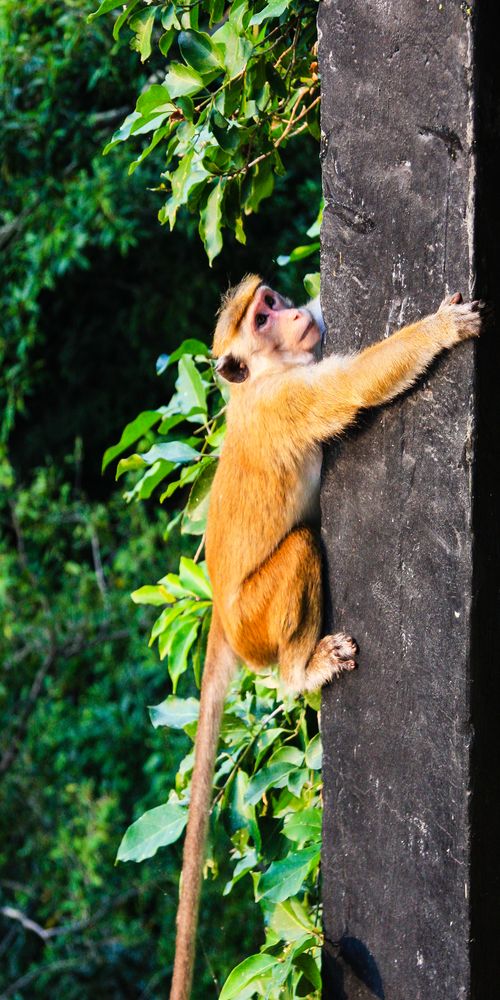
[(400, 230)]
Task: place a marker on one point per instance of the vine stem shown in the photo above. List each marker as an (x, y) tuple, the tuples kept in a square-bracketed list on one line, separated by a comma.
[(265, 722)]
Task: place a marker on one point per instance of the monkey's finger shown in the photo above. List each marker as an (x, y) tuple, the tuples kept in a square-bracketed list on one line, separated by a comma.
[(348, 665), (451, 300)]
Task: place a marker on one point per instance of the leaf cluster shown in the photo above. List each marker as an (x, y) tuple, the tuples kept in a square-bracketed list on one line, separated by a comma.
[(239, 82)]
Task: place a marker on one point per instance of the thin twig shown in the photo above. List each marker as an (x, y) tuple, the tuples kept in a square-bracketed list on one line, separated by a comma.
[(98, 567), (199, 550), (23, 559), (45, 933), (220, 793), (51, 967)]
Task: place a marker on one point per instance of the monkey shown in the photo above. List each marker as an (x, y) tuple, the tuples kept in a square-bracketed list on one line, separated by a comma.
[(262, 551)]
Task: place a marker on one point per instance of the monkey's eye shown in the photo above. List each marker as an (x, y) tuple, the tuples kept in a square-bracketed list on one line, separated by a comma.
[(270, 301), (260, 319)]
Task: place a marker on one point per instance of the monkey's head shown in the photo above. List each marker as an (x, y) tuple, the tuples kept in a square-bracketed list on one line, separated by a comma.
[(257, 329)]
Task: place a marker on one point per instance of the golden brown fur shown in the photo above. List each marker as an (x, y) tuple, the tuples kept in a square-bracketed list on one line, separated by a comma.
[(262, 552)]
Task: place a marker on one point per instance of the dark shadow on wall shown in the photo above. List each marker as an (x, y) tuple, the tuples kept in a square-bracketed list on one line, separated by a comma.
[(485, 659), (348, 958)]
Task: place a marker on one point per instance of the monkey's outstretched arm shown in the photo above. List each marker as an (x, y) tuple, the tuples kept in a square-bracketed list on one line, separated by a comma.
[(332, 393)]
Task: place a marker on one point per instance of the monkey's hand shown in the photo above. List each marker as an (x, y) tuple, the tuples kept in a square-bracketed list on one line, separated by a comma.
[(463, 319)]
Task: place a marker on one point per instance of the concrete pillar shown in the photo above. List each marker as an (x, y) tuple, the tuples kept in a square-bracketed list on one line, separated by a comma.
[(411, 506)]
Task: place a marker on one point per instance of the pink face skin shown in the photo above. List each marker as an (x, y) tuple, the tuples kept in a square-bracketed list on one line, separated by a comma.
[(279, 326)]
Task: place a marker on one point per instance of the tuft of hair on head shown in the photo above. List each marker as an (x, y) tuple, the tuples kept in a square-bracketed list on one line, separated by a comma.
[(233, 307)]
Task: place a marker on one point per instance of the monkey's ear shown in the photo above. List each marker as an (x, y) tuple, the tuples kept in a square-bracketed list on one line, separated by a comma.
[(231, 368)]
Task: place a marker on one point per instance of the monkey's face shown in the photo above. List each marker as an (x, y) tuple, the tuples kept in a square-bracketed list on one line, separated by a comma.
[(258, 328), (273, 324)]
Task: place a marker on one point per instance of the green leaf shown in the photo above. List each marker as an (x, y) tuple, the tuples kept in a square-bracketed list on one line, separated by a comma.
[(166, 41), (123, 17), (137, 124), (180, 646), (313, 699), (274, 9), (159, 134), (299, 253), (312, 284), (210, 222), (297, 780), (303, 826), (176, 713), (194, 578), (237, 49), (315, 229), (187, 475), (191, 346), (190, 386), (189, 176), (130, 464), (195, 514), (247, 978), (314, 753), (167, 636), (164, 621), (265, 740), (104, 8), (244, 865), (285, 878), (199, 52), (155, 828), (242, 812), (181, 80), (177, 452), (149, 481), (262, 185), (291, 921), (170, 17), (142, 25), (156, 96), (217, 437), (132, 432), (309, 967), (216, 8), (152, 595), (275, 774)]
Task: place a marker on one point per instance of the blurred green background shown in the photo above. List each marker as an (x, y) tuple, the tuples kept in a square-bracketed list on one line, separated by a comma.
[(93, 290)]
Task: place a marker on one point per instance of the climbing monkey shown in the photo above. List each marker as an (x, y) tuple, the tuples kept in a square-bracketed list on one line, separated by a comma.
[(262, 552)]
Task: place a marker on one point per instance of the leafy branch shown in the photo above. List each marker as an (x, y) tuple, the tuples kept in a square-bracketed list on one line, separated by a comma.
[(232, 82)]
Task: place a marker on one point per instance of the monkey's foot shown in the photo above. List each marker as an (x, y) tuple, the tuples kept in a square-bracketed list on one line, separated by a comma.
[(334, 655)]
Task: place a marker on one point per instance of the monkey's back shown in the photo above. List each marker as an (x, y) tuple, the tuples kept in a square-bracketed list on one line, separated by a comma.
[(262, 488)]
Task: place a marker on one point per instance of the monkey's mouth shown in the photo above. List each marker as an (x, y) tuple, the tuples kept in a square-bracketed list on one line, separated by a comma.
[(306, 331)]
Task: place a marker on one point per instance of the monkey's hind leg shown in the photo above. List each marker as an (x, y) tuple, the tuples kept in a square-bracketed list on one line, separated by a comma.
[(281, 614)]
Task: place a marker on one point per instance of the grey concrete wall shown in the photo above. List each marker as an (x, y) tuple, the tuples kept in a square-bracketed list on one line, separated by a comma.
[(411, 817)]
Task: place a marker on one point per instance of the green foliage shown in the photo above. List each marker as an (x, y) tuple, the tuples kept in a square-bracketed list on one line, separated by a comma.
[(239, 82), (89, 292), (77, 758), (60, 199), (267, 781)]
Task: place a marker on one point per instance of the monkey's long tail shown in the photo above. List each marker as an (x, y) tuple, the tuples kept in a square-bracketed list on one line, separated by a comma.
[(219, 667)]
